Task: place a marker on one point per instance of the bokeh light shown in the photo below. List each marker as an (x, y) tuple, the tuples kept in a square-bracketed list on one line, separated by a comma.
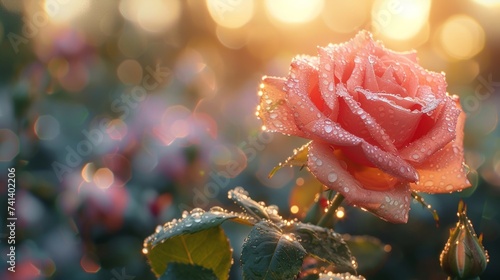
[(345, 16), (461, 37), (129, 72), (400, 20), (103, 178), (47, 127), (10, 145), (294, 11), (66, 11), (231, 38), (89, 265), (88, 171), (340, 213), (231, 14), (488, 3), (152, 16), (117, 129)]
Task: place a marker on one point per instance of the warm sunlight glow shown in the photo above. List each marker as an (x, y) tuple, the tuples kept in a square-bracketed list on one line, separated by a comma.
[(231, 14), (154, 15), (461, 37), (65, 11), (294, 11), (488, 3), (400, 20), (346, 16)]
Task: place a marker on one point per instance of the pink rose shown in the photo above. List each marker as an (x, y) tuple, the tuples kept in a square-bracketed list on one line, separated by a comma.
[(381, 125)]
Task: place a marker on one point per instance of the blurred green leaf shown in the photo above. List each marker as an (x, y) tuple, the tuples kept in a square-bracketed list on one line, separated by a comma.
[(268, 253), (207, 248), (303, 196), (369, 252), (324, 244), (180, 271)]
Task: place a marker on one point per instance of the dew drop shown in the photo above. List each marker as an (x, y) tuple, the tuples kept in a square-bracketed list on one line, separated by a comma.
[(332, 177), (328, 128), (330, 86)]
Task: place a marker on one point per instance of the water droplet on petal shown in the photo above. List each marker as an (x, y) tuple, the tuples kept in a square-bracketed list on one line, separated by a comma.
[(332, 177)]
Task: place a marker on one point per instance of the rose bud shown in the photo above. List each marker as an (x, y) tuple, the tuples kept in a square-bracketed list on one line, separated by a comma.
[(464, 256)]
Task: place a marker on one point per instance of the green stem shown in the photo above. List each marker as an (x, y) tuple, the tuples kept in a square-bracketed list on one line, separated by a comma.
[(328, 219)]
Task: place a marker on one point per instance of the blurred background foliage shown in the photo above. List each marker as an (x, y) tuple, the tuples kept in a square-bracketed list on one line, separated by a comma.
[(119, 115)]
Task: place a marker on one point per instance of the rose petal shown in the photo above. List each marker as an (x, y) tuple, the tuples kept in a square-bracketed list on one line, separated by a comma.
[(443, 131), (273, 110), (357, 76), (428, 98), (387, 81), (360, 123), (436, 81), (411, 56), (310, 120), (371, 81), (391, 205), (399, 123), (371, 178), (327, 81), (389, 163), (443, 171)]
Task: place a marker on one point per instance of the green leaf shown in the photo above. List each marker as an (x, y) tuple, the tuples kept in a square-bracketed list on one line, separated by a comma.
[(305, 196), (195, 221), (324, 244), (339, 276), (299, 158), (257, 210), (180, 271), (369, 252), (208, 248), (269, 254)]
